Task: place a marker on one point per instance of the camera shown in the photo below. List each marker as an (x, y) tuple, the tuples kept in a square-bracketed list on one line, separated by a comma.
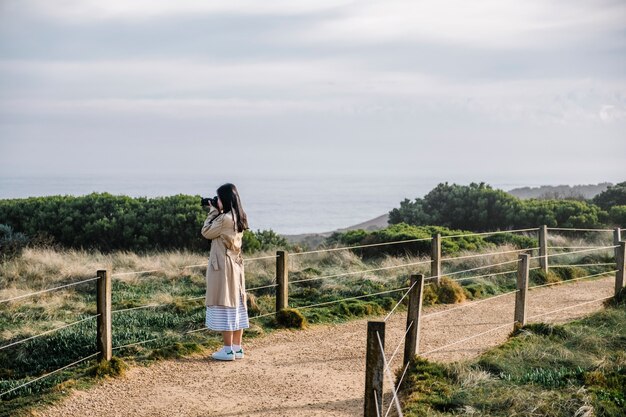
[(206, 201)]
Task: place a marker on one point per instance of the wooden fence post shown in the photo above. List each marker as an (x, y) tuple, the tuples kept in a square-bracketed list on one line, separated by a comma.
[(543, 248), (374, 369), (411, 344), (282, 280), (621, 269), (103, 300), (435, 257), (522, 289)]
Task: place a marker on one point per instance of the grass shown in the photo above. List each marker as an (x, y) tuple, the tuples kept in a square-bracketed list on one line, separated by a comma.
[(171, 288), (576, 369)]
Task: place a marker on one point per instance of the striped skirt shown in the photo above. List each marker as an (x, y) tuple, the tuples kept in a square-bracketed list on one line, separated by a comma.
[(227, 319)]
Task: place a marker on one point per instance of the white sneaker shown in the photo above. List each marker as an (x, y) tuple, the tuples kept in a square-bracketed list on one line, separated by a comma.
[(239, 354), (223, 355)]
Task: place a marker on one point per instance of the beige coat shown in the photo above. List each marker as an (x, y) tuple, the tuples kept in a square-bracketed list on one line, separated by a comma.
[(225, 274)]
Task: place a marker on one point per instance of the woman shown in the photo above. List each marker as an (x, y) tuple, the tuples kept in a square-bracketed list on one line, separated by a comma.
[(225, 283)]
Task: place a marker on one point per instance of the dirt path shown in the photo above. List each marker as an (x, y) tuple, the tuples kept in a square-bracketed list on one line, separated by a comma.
[(317, 372)]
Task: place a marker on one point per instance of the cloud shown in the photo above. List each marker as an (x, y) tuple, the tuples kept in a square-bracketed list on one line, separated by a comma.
[(200, 88), (82, 11), (501, 24)]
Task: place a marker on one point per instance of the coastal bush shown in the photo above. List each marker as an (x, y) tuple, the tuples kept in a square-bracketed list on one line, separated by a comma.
[(11, 244), (569, 272), (402, 231), (613, 196), (449, 292), (540, 277), (479, 207), (106, 222), (290, 318), (617, 216), (517, 240)]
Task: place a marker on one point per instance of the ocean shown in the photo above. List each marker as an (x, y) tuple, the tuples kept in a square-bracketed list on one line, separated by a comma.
[(285, 204)]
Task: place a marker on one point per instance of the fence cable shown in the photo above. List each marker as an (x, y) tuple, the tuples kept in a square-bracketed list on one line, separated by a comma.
[(49, 289), (491, 275), (138, 308), (567, 308), (262, 315), (387, 372), (572, 247), (596, 248), (488, 254), (571, 280), (50, 373), (399, 301), (378, 410), (478, 268), (492, 233), (361, 272), (19, 342), (467, 338), (182, 333), (360, 246), (470, 304), (262, 287), (259, 258), (351, 298), (406, 367), (119, 274), (184, 300), (580, 230), (565, 266), (482, 276), (395, 351)]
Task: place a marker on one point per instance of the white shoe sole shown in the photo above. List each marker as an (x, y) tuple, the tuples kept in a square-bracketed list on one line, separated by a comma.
[(223, 358)]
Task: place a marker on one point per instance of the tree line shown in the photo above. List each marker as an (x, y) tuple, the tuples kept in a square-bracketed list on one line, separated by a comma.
[(106, 222), (479, 207)]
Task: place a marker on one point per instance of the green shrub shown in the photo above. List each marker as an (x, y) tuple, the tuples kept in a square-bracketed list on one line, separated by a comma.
[(113, 368), (449, 292), (107, 222), (11, 244), (613, 196), (430, 295), (517, 240), (544, 329), (479, 207), (291, 318), (617, 216), (263, 240), (360, 308), (540, 277), (569, 272), (401, 232)]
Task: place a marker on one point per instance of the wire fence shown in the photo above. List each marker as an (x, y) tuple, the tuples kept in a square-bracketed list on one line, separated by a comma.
[(389, 360), (19, 342), (403, 297), (73, 284)]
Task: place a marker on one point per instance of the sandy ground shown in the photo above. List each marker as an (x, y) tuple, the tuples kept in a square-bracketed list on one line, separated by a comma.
[(317, 372)]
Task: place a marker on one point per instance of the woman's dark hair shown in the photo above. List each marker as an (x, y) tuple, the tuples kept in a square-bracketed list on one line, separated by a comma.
[(230, 201)]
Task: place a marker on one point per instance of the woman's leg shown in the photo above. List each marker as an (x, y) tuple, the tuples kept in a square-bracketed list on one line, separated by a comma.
[(237, 335), (228, 338)]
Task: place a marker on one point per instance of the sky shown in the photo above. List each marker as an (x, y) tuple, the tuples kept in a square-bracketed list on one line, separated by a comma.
[(531, 92)]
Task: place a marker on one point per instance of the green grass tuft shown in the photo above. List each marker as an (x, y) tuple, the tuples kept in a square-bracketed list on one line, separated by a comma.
[(114, 368), (291, 318)]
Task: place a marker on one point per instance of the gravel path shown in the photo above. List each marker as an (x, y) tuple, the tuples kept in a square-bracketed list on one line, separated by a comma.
[(317, 372)]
